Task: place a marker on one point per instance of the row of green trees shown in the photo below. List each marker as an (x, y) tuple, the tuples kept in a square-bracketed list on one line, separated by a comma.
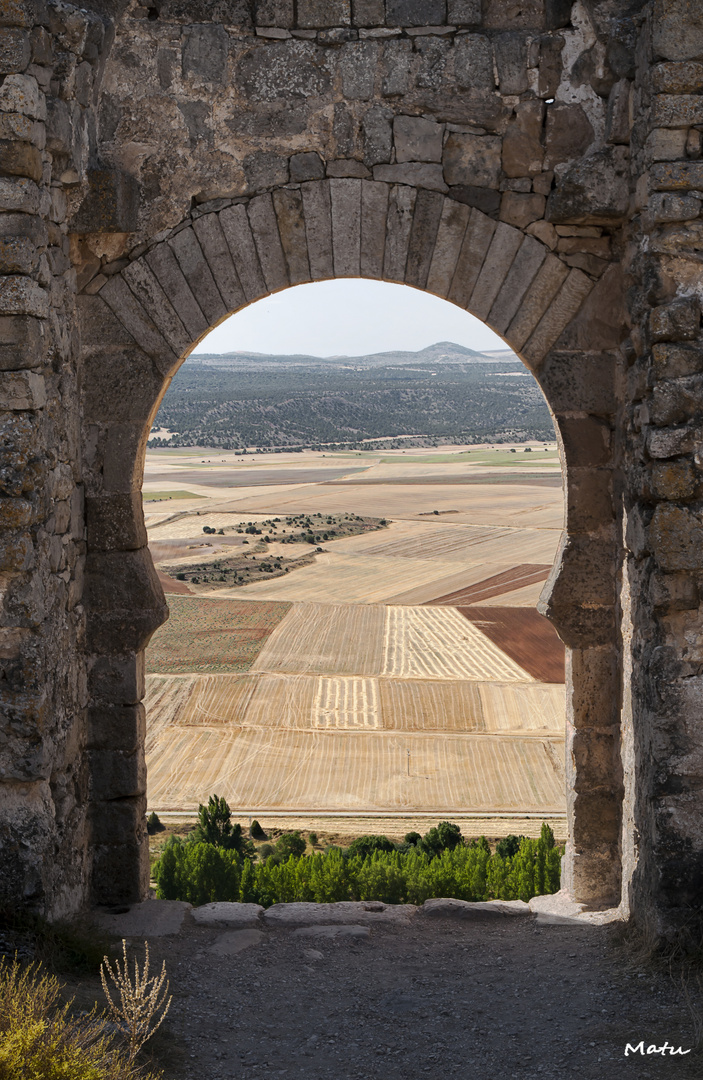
[(202, 872)]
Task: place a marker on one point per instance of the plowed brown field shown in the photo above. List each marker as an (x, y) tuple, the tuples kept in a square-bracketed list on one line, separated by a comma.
[(524, 635), (515, 578)]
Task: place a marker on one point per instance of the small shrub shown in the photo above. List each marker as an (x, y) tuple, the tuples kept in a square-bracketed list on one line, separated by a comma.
[(413, 838), (41, 1039), (508, 846), (153, 824), (312, 837), (256, 832)]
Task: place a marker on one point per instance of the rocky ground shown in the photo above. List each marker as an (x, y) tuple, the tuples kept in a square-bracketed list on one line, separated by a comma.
[(426, 997)]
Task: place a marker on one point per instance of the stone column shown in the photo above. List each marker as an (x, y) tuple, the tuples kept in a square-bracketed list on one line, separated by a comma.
[(663, 432), (49, 59)]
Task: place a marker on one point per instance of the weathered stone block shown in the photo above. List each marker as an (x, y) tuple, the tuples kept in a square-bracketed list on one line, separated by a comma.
[(678, 78), (499, 258), (205, 53), (124, 601), (521, 210), (417, 139), (674, 480), (20, 295), (275, 13), (118, 679), (675, 400), (378, 135), (237, 231), (368, 12), (416, 12), (307, 166), (537, 301), (123, 820), (288, 205), (617, 119), (522, 151), (22, 342), (589, 500), (676, 361), (464, 12), (265, 169), (18, 255), (527, 262), (487, 200), (580, 592), (674, 592), (115, 522), (678, 321), (346, 226), (347, 169), (587, 441), (472, 159), (113, 728), (676, 538), (593, 191), (674, 441), (668, 19), (264, 227), (358, 64), (19, 195), (677, 110), (586, 377), (426, 219), (21, 94), (374, 211), (15, 50), (569, 134), (20, 12), (137, 322), (511, 62), (120, 873), (676, 176), (412, 173), (318, 14), (111, 204), (473, 63), (215, 249)]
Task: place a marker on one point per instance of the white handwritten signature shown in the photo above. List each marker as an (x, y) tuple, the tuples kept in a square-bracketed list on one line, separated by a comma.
[(653, 1049)]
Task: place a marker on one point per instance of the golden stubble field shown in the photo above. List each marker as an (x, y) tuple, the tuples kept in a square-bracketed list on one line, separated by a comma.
[(403, 671)]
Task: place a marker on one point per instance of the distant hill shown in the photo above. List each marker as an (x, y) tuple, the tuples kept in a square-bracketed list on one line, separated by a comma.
[(443, 393), (445, 352)]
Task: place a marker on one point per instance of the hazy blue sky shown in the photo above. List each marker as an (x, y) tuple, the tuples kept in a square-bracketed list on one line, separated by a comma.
[(348, 317)]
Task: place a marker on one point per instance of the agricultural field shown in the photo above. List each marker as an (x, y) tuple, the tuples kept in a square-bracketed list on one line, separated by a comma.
[(399, 669)]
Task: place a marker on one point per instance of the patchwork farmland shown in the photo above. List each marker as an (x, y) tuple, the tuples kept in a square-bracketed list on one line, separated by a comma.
[(401, 670)]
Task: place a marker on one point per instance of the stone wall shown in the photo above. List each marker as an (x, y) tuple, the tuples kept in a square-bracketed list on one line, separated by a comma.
[(171, 162)]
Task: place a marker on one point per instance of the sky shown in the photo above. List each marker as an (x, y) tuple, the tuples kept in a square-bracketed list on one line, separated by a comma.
[(349, 317)]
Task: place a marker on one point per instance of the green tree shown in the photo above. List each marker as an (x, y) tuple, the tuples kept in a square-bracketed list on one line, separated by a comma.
[(290, 844), (199, 873), (449, 835), (508, 846), (215, 827), (256, 832), (153, 824), (413, 838), (366, 845)]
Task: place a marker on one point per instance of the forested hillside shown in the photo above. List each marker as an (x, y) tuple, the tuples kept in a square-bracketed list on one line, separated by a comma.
[(446, 393)]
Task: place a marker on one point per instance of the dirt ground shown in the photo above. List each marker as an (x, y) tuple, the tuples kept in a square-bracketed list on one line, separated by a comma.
[(495, 999)]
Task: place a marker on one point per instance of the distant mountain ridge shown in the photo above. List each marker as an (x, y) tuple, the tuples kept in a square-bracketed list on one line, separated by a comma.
[(442, 352), (443, 393)]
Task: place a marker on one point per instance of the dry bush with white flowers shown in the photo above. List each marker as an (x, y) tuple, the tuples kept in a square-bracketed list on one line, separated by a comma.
[(139, 999)]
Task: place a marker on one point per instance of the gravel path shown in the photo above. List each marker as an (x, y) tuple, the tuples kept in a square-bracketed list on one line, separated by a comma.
[(491, 999)]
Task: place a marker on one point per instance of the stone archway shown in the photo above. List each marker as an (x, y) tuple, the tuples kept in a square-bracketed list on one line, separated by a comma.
[(569, 126), (158, 306)]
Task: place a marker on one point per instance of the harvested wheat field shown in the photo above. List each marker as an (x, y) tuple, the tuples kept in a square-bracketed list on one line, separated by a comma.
[(432, 643), (524, 635), (212, 635), (326, 770), (328, 640), (352, 703)]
